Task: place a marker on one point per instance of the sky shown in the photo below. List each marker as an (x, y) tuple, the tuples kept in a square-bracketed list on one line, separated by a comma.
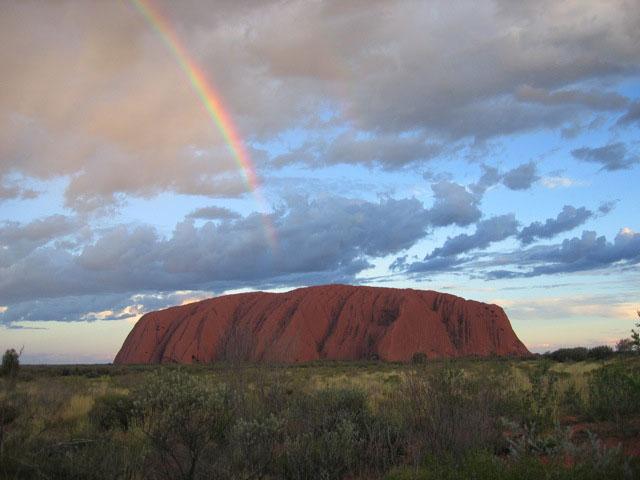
[(154, 153)]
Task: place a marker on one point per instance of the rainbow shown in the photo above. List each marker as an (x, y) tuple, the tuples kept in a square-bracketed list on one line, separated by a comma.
[(212, 103)]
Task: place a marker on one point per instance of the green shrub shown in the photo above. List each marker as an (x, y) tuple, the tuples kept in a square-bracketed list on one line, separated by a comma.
[(9, 412), (187, 422), (114, 411), (539, 404), (327, 454), (254, 444), (10, 364), (482, 465), (58, 458), (449, 412), (326, 434), (572, 401), (576, 354), (614, 394), (601, 352)]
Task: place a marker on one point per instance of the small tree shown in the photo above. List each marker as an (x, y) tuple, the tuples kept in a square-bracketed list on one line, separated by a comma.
[(635, 336), (624, 345), (10, 363)]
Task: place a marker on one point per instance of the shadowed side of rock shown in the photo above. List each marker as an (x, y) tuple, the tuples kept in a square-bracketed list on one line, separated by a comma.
[(337, 322)]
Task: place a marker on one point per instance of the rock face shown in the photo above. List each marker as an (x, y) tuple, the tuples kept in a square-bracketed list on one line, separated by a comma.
[(338, 322)]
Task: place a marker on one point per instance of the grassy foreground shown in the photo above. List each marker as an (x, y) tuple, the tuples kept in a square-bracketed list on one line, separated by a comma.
[(480, 419)]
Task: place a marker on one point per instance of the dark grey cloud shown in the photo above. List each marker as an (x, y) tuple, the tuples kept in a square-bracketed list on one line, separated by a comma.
[(613, 156), (607, 207), (488, 231), (453, 205), (18, 240), (593, 99), (631, 116), (521, 177), (95, 307), (490, 177), (588, 252), (568, 219), (333, 237), (447, 257), (214, 213)]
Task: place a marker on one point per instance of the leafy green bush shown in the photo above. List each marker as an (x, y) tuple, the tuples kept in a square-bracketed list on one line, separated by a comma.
[(9, 412), (601, 352), (326, 434), (572, 402), (614, 393), (187, 423), (539, 404), (576, 354), (114, 411), (254, 444), (448, 411), (328, 454), (482, 465), (10, 364), (96, 458)]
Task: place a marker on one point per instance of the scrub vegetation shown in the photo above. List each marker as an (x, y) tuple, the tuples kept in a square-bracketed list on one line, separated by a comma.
[(482, 419)]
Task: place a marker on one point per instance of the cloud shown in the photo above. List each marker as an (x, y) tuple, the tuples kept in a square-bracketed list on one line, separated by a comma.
[(631, 116), (553, 182), (454, 204), (568, 219), (487, 232), (214, 213), (386, 151), (333, 238), (446, 257), (612, 156), (96, 307), (593, 99), (588, 252), (8, 192), (432, 265), (490, 177), (95, 96), (521, 177), (518, 178), (19, 240), (607, 207)]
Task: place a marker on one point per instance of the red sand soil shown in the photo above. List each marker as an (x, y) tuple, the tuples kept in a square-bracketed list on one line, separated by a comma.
[(337, 322), (607, 433)]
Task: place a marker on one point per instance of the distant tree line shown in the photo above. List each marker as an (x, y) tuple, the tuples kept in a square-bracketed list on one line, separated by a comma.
[(624, 346)]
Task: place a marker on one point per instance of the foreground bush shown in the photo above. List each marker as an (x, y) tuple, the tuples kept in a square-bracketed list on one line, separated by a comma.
[(10, 364), (614, 394), (187, 423), (326, 434), (449, 412), (114, 411), (447, 420), (482, 465), (539, 405)]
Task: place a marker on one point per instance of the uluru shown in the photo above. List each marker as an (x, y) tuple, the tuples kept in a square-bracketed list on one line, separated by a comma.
[(333, 322)]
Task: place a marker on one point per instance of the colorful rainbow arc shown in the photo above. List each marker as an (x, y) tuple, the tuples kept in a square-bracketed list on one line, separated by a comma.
[(211, 102)]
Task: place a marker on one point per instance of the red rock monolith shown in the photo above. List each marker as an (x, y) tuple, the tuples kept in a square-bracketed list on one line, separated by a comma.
[(336, 322)]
